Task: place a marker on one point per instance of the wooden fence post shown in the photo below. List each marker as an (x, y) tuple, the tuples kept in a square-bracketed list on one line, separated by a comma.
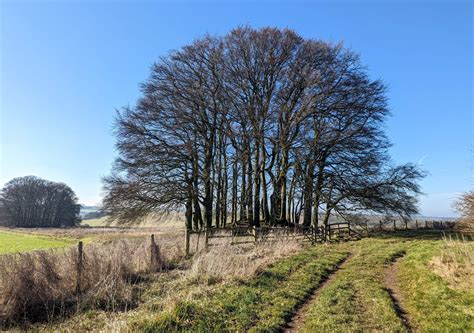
[(186, 242), (206, 238), (426, 224), (380, 223), (255, 234), (155, 260), (394, 225), (80, 259), (416, 224), (152, 253), (406, 224)]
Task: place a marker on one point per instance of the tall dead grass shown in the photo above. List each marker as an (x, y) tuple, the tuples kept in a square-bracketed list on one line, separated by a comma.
[(456, 262), (225, 260), (41, 285)]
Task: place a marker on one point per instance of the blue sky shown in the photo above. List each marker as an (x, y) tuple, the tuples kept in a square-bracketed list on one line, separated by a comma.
[(67, 65)]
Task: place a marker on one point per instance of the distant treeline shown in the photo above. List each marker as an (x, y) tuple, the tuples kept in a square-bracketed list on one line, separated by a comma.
[(30, 201)]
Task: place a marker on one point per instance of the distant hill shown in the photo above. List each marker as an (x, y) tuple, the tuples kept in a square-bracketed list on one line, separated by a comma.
[(172, 220), (85, 210), (89, 207)]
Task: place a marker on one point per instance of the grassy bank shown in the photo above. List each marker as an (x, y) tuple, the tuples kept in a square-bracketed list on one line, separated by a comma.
[(431, 301)]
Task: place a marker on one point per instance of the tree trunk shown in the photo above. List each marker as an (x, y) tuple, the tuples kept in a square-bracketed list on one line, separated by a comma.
[(317, 194), (234, 191), (224, 189), (266, 212), (256, 202), (197, 217), (249, 187), (283, 181), (208, 182), (219, 186), (243, 193), (308, 194), (327, 214)]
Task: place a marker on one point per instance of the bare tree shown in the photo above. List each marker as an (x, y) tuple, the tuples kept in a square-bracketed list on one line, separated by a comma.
[(261, 126)]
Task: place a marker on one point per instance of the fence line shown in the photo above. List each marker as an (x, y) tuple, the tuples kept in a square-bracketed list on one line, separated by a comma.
[(335, 231)]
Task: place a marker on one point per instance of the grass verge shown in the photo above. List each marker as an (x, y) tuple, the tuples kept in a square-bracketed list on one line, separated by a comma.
[(432, 304)]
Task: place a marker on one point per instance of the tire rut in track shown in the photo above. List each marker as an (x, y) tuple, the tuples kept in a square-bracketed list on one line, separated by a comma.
[(392, 286), (298, 319)]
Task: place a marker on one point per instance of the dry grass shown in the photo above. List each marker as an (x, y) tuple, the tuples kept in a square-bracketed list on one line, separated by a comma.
[(456, 263), (223, 264), (225, 261), (196, 278), (41, 285)]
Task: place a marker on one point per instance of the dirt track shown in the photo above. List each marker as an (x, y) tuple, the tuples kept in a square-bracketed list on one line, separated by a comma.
[(393, 289), (298, 319)]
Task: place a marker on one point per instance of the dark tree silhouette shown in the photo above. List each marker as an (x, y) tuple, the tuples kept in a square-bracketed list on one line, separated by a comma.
[(34, 202), (258, 126)]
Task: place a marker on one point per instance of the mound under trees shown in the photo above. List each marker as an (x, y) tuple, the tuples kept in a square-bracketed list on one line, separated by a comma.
[(30, 201), (261, 126)]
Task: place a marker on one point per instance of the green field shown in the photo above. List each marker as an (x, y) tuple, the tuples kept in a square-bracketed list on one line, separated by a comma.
[(13, 242), (98, 222)]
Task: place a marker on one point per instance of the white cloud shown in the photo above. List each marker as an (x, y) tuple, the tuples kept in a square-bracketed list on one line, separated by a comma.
[(421, 160)]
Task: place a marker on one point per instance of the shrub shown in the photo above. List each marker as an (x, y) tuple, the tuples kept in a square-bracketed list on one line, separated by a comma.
[(465, 206)]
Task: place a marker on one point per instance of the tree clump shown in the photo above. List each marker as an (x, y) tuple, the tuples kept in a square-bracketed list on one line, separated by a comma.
[(258, 126), (28, 202)]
